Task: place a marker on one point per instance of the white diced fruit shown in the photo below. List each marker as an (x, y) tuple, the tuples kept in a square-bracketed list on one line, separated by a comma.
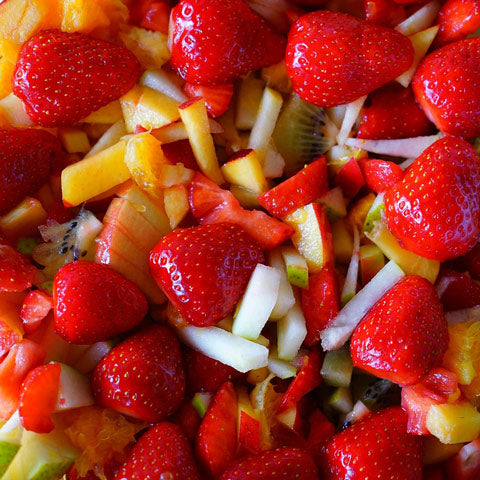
[(258, 302), (286, 298), (73, 390), (291, 332)]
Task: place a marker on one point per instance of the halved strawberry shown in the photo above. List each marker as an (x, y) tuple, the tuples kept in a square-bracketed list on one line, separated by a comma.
[(35, 308), (457, 19), (457, 290), (350, 178), (180, 152), (217, 99), (381, 174), (384, 12), (16, 272)]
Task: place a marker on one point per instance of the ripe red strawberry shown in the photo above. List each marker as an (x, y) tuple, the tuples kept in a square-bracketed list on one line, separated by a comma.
[(350, 178), (63, 77), (187, 418), (280, 463), (216, 442), (384, 12), (471, 262), (381, 174), (92, 302), (162, 452), (435, 210), (204, 270), (393, 112), (35, 308), (16, 272), (377, 446), (457, 291), (303, 188), (216, 41), (27, 158), (324, 74), (457, 19), (143, 376), (151, 14), (217, 99), (404, 335), (447, 86)]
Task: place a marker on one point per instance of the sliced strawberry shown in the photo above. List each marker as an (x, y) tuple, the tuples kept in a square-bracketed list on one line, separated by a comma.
[(384, 12), (151, 14), (456, 20), (162, 450), (321, 431), (404, 335), (92, 303), (350, 178), (143, 376), (180, 152), (16, 272), (55, 94), (464, 465), (381, 174), (435, 210), (35, 308), (216, 442), (303, 188), (188, 419), (217, 99), (11, 331), (458, 291), (216, 41)]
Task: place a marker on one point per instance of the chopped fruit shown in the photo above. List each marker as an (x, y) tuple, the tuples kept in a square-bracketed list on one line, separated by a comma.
[(175, 199), (334, 203), (11, 434), (276, 77), (143, 376), (24, 219), (220, 30), (225, 257), (74, 140), (107, 115), (285, 298), (35, 308), (291, 333), (151, 14), (16, 272), (350, 178), (384, 12), (457, 19), (248, 102), (248, 428), (371, 262), (445, 178), (11, 331), (381, 174), (403, 335), (421, 19), (297, 268), (8, 57), (217, 98), (337, 368), (465, 464), (458, 291), (342, 242), (244, 169)]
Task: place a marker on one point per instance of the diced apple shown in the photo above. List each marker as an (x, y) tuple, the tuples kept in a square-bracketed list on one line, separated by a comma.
[(248, 102), (128, 103), (280, 368), (24, 219), (176, 203), (375, 213), (434, 451), (351, 114), (337, 114), (245, 170), (341, 400), (273, 163), (177, 131), (360, 209), (10, 437), (334, 203), (88, 361), (297, 268), (420, 20), (12, 108), (291, 332), (73, 390), (109, 114), (337, 368), (342, 242), (74, 140), (112, 136), (371, 262), (164, 83), (285, 298)]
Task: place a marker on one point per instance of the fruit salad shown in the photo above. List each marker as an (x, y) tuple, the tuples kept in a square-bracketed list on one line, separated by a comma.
[(239, 239)]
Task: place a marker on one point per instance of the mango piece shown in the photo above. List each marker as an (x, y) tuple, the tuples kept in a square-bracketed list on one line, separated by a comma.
[(176, 204), (109, 114), (24, 219), (74, 140), (245, 170), (8, 57)]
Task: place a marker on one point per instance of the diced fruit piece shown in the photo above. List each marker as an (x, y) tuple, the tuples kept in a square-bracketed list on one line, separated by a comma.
[(291, 332), (35, 308), (371, 262), (297, 268), (88, 361), (244, 169), (16, 272), (351, 278), (340, 400), (352, 112), (163, 82), (358, 412), (384, 12), (334, 203), (248, 428), (281, 368), (359, 211), (337, 368), (381, 174), (8, 53), (248, 101), (24, 219), (457, 19), (285, 298), (175, 199), (217, 98), (342, 242), (109, 114), (10, 437), (74, 140), (421, 19), (276, 77), (457, 291), (465, 464), (375, 394), (350, 178), (73, 390)]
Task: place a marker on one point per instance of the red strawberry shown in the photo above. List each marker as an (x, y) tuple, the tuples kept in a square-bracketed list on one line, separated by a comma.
[(143, 376), (216, 442), (350, 178), (465, 464), (16, 272), (27, 158), (393, 112), (92, 302), (35, 308), (217, 99), (180, 152), (188, 260), (457, 19), (321, 431), (435, 210), (447, 86), (320, 302), (63, 77), (280, 463), (324, 74), (381, 174), (471, 262), (457, 291), (216, 41), (377, 446), (303, 188), (403, 335), (151, 14), (384, 12), (162, 452), (188, 419)]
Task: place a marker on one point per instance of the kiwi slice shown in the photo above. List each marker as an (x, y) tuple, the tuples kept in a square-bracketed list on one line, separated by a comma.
[(375, 393), (303, 132)]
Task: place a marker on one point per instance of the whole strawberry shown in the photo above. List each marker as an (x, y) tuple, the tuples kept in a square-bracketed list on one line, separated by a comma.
[(435, 210), (404, 335), (63, 77), (143, 376), (333, 58), (216, 41), (26, 159), (92, 302), (162, 452), (204, 270)]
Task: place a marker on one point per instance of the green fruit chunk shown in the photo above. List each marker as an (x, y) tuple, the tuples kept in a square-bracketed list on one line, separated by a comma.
[(341, 400), (337, 368)]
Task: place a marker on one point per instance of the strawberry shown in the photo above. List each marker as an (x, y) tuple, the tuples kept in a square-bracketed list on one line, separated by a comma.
[(216, 442), (180, 152), (435, 210), (211, 204), (471, 262), (303, 188), (151, 14), (35, 308), (280, 463), (320, 302), (447, 87), (186, 260), (162, 452), (350, 178), (27, 158), (63, 77), (457, 291), (92, 302), (465, 464), (377, 446), (321, 71), (217, 99), (404, 335), (216, 41), (16, 272), (321, 431), (381, 174), (143, 376), (188, 419), (384, 12), (456, 20), (392, 112)]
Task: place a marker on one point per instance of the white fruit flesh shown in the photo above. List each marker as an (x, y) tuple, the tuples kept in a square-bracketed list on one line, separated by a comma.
[(285, 298), (291, 332), (73, 390), (10, 437)]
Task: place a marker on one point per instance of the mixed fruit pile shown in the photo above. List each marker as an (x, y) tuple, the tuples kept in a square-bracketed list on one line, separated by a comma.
[(239, 239)]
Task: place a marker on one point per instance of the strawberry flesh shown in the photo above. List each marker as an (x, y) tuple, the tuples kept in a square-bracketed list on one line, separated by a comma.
[(16, 272), (381, 174)]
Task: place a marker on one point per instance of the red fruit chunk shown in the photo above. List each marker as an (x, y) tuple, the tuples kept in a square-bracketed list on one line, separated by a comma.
[(457, 19), (350, 178), (35, 308), (447, 87), (59, 213), (217, 99), (55, 94), (404, 335), (393, 112), (435, 210), (27, 158), (384, 12), (92, 303), (188, 419), (381, 174), (204, 270), (38, 398), (321, 71), (180, 152), (151, 14), (16, 272), (216, 41), (458, 291), (377, 446), (10, 323), (471, 262), (321, 431), (162, 451), (303, 188), (216, 442), (143, 376), (284, 462), (464, 465), (433, 472)]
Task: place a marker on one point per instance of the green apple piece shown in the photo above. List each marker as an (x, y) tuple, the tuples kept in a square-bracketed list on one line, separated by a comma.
[(372, 261), (375, 213), (88, 361), (291, 332), (10, 437), (297, 268), (230, 349), (285, 298), (257, 302), (341, 400), (358, 411), (343, 325), (423, 18), (201, 401), (73, 390), (342, 242), (351, 279), (337, 368), (334, 203)]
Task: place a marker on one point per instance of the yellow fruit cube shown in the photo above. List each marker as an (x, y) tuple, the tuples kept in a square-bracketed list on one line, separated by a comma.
[(246, 198), (176, 204), (8, 57), (24, 219), (128, 104), (74, 140), (245, 170), (109, 114), (13, 110)]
